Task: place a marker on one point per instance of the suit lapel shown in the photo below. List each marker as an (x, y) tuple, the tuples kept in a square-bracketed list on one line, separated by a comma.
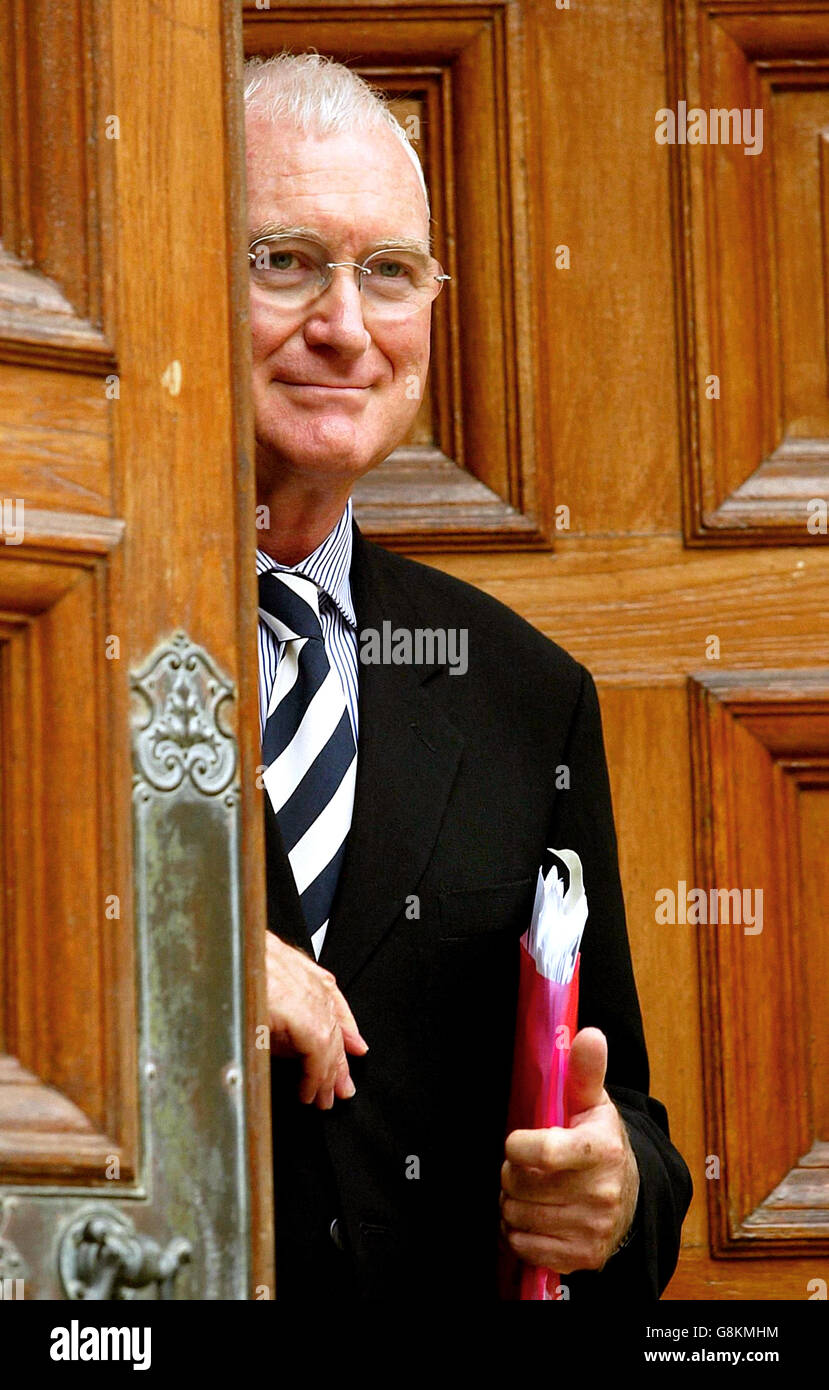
[(408, 753)]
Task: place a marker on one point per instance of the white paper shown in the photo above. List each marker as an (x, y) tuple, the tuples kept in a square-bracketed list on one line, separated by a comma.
[(554, 935)]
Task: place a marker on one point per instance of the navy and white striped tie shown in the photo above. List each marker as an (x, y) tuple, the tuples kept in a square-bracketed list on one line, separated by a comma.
[(308, 746)]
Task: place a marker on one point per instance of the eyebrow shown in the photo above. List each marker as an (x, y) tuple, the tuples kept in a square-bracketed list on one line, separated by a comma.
[(402, 243)]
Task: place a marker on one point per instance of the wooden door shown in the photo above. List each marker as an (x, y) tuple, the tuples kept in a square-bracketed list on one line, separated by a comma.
[(132, 1067), (626, 439)]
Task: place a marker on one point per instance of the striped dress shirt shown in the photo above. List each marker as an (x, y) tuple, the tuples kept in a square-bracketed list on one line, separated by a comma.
[(329, 567)]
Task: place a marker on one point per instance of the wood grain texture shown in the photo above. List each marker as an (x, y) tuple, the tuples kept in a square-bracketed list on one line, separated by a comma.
[(639, 611), (43, 1135), (67, 981), (55, 440), (646, 739), (757, 739), (242, 488), (813, 825), (139, 509), (750, 234), (56, 193), (703, 1280), (607, 405), (185, 482)]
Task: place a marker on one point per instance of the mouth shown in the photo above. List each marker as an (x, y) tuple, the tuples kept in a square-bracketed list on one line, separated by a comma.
[(324, 386)]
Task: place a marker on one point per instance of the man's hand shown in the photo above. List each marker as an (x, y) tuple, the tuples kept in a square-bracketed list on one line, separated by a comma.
[(309, 1018), (568, 1196)]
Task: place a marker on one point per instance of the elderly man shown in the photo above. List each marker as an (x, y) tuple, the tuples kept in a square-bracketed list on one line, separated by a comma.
[(407, 812)]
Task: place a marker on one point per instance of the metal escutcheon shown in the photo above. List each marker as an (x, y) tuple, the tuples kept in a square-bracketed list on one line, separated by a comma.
[(103, 1257)]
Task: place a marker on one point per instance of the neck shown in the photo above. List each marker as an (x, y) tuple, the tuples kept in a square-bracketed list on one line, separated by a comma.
[(298, 519)]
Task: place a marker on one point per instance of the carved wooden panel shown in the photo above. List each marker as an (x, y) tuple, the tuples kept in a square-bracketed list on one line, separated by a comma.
[(761, 745), (749, 89), (67, 1084), (56, 128), (131, 938), (68, 1103), (469, 474)]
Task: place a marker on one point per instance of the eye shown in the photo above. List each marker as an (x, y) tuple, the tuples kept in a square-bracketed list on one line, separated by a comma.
[(391, 270), (274, 258), (282, 260)]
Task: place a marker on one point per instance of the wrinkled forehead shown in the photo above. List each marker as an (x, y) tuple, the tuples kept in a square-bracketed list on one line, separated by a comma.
[(332, 182)]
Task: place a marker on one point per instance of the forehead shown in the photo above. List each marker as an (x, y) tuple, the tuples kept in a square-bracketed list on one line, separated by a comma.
[(352, 183)]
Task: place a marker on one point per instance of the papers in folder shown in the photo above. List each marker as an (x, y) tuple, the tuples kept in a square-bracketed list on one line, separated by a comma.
[(554, 935)]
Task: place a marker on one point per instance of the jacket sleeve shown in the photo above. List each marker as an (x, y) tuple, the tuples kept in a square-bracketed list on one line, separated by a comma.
[(583, 820)]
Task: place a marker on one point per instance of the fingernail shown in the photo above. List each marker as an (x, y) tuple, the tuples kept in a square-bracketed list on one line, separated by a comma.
[(350, 1089)]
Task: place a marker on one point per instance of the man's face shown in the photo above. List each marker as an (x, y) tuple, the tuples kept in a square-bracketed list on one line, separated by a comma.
[(333, 394)]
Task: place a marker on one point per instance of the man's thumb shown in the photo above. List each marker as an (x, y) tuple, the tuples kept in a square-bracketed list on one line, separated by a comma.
[(586, 1071)]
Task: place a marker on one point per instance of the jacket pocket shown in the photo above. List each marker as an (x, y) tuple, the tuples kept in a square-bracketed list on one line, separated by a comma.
[(467, 913)]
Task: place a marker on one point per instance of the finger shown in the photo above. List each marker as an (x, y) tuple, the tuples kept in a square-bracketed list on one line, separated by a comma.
[(325, 1098), (307, 1089), (323, 1055), (540, 1218), (315, 1071), (336, 1075), (586, 1070), (561, 1255), (532, 1185), (553, 1150), (352, 1037), (344, 1087)]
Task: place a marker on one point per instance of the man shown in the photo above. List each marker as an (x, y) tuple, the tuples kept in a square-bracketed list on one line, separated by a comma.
[(408, 808)]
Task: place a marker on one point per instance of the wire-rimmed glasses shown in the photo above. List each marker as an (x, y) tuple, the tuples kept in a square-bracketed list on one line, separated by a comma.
[(294, 271)]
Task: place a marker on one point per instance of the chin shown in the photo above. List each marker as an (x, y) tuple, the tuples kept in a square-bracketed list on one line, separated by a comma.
[(335, 457)]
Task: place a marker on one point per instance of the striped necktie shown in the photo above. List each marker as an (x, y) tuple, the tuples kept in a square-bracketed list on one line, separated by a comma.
[(308, 746)]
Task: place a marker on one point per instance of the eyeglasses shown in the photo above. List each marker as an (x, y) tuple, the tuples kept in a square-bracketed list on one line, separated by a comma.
[(293, 272)]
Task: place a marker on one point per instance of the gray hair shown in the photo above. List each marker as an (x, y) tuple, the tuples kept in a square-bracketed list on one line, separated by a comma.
[(321, 97)]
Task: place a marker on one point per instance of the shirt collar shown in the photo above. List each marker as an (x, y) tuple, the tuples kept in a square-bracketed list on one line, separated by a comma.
[(329, 566)]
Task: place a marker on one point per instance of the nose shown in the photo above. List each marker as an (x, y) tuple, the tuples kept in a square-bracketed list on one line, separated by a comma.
[(336, 319)]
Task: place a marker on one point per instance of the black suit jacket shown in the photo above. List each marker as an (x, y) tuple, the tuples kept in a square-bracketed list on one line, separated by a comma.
[(394, 1193)]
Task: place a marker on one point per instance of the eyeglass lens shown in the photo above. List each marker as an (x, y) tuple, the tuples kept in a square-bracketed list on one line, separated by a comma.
[(295, 272)]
